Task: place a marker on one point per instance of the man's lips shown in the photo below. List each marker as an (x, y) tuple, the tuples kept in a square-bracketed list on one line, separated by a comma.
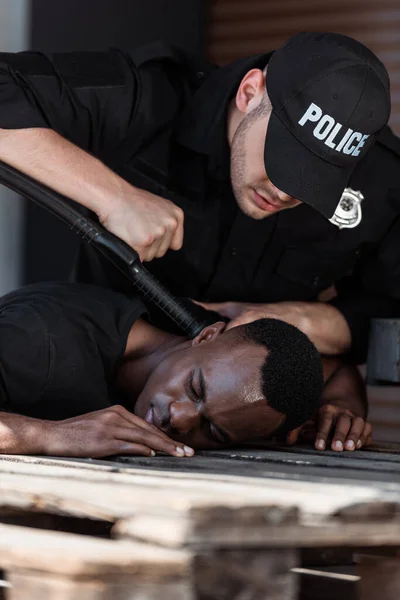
[(264, 204), (153, 418)]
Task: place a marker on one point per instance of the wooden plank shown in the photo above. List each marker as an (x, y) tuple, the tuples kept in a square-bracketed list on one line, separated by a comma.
[(76, 555), (185, 532), (55, 566), (246, 575), (235, 515), (157, 494)]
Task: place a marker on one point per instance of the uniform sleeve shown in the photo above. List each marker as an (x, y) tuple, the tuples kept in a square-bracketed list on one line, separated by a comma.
[(90, 98), (372, 291)]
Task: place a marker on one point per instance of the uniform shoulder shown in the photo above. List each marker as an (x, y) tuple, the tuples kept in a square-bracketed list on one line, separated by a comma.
[(389, 140)]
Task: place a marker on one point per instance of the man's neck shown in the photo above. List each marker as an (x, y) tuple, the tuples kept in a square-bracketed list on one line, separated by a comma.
[(145, 348)]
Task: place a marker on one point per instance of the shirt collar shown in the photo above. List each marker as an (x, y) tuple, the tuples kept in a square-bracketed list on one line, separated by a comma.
[(202, 126)]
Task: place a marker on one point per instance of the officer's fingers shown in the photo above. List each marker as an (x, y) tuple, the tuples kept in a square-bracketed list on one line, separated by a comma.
[(165, 244), (178, 231), (151, 251), (342, 428), (326, 420), (226, 309), (365, 437), (353, 436)]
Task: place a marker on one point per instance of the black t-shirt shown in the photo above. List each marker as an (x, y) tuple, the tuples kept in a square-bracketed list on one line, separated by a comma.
[(60, 345)]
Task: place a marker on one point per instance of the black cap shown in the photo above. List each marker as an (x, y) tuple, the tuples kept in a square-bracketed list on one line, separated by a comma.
[(330, 96)]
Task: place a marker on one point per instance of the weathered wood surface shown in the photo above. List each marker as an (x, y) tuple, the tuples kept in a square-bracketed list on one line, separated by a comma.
[(55, 566), (252, 574), (175, 508), (241, 515)]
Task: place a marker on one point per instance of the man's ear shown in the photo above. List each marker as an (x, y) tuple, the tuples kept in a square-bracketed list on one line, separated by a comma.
[(209, 333), (251, 91)]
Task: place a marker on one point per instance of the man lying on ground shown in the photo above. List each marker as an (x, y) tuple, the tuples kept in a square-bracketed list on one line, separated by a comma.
[(82, 373)]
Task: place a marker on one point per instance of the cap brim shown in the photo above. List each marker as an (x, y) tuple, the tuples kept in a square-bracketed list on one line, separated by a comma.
[(297, 171)]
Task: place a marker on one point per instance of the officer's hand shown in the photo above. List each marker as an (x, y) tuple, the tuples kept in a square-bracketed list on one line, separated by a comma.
[(148, 223), (241, 313), (344, 429), (113, 430)]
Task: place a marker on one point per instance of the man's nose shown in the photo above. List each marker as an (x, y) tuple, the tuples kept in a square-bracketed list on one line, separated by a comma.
[(185, 415)]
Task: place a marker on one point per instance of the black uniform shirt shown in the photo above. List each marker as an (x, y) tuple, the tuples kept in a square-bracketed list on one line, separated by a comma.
[(60, 345), (158, 118)]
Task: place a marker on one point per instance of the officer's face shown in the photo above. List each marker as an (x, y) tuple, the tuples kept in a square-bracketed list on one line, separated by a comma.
[(255, 194), (208, 395)]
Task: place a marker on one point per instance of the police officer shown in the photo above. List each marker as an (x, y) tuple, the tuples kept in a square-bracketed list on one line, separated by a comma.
[(173, 154)]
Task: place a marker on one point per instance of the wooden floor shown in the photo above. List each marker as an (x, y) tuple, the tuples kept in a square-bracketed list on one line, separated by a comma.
[(224, 525)]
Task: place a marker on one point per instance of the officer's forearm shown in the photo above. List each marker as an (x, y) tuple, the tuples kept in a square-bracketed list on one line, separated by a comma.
[(51, 159), (326, 327), (21, 435)]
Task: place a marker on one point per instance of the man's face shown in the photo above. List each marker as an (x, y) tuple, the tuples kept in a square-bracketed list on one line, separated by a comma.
[(209, 395), (255, 194)]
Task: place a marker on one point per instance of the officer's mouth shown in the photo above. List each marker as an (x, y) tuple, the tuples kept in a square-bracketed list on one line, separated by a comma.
[(265, 204)]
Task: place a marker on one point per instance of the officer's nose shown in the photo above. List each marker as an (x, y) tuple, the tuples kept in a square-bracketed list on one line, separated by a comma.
[(185, 415), (282, 196)]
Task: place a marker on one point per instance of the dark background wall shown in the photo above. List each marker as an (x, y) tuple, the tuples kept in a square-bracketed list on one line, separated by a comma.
[(63, 25)]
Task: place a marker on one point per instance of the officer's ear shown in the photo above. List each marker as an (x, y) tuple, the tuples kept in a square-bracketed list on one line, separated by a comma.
[(251, 90), (209, 333)]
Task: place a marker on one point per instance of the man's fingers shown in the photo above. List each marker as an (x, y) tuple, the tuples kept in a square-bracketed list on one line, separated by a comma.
[(133, 419), (325, 424), (365, 437), (152, 440), (292, 436), (136, 422), (342, 428), (354, 434), (122, 447)]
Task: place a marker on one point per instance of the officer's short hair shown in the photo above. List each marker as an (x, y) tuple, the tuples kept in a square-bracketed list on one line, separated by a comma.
[(291, 375)]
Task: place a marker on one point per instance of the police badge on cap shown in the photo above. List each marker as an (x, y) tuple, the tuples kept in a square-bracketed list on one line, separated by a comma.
[(330, 96), (348, 213)]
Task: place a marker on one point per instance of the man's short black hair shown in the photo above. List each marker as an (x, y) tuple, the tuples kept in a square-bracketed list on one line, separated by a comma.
[(291, 376)]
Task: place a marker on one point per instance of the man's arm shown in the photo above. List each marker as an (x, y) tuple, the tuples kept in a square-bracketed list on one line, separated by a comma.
[(101, 433), (342, 415)]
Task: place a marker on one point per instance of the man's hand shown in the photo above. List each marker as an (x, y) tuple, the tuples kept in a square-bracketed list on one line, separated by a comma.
[(346, 430), (150, 224), (107, 432), (322, 323)]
